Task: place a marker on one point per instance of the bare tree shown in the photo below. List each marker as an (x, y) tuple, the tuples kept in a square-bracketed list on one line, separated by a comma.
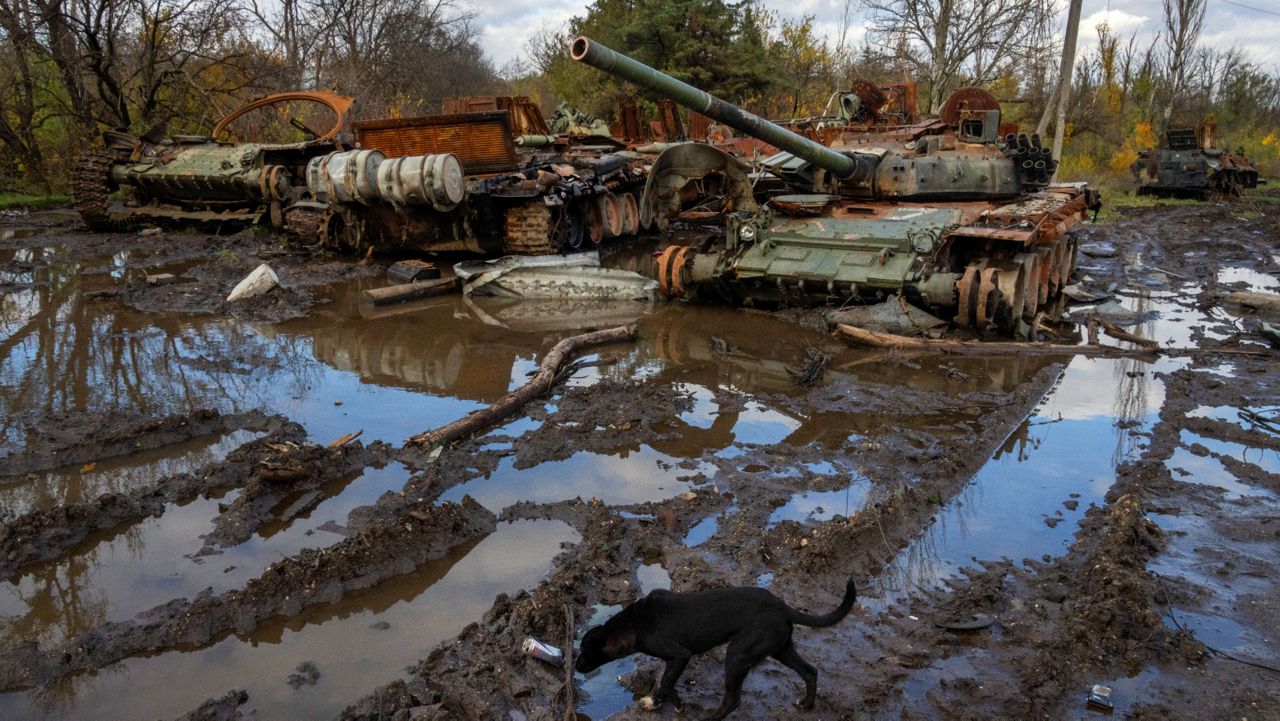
[(953, 42), (1183, 20)]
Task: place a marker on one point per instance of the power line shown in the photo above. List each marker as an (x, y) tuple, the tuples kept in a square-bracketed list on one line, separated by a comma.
[(1249, 7)]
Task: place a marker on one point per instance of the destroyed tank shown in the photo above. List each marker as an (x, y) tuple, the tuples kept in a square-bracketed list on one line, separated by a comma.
[(492, 182), (945, 212), (1189, 166), (188, 178)]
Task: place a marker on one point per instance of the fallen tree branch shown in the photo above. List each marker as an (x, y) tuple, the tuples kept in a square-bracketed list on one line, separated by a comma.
[(875, 339), (1119, 333), (547, 375), (411, 291)]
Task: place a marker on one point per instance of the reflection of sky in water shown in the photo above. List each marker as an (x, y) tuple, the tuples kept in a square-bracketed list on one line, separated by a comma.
[(1002, 511), (652, 576), (1209, 471), (757, 424), (707, 527), (118, 475), (822, 505), (422, 609), (1268, 459), (636, 477), (603, 695), (1255, 279), (150, 563), (704, 410)]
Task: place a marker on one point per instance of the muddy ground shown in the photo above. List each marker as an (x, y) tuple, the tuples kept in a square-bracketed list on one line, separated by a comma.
[(1088, 521)]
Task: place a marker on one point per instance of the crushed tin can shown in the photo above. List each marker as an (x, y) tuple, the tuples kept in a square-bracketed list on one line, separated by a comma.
[(534, 648), (1100, 698)]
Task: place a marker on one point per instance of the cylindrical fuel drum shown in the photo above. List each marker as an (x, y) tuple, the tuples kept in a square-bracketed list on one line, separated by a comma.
[(434, 180)]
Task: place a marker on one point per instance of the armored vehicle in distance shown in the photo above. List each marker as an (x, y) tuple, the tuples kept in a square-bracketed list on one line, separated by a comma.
[(1189, 166)]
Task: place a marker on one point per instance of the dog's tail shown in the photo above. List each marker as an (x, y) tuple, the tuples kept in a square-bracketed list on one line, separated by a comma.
[(828, 619)]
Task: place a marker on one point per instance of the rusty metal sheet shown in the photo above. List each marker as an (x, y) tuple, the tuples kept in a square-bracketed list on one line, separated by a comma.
[(481, 141)]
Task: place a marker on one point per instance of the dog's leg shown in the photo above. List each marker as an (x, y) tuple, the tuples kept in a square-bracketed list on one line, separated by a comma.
[(788, 656), (737, 664), (666, 690)]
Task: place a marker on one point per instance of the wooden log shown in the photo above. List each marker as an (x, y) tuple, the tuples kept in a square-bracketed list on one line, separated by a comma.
[(1262, 302), (547, 375), (410, 291), (1119, 333), (875, 339)]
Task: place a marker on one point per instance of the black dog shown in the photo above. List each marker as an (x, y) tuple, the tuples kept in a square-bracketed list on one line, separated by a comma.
[(675, 626)]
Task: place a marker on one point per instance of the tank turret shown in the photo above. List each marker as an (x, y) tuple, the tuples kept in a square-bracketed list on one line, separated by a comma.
[(958, 156)]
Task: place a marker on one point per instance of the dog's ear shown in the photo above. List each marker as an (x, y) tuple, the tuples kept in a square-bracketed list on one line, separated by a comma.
[(620, 644)]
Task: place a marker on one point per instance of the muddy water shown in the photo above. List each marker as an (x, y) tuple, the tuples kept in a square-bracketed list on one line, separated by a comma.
[(358, 643), (116, 575), (397, 372)]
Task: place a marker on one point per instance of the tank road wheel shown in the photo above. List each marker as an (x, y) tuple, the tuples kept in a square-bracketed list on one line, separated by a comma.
[(610, 214), (979, 296), (630, 214), (1031, 275), (1013, 284), (528, 230), (336, 233), (570, 228), (595, 223), (90, 186), (1045, 258)]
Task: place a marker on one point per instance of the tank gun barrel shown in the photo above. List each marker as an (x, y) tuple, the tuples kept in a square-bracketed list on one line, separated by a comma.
[(586, 50)]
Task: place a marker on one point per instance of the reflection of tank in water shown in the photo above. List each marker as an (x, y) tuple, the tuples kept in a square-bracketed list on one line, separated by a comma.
[(209, 178), (946, 211), (1189, 166), (755, 366)]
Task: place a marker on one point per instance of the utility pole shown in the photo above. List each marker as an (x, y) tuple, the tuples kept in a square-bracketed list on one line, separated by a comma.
[(1064, 77)]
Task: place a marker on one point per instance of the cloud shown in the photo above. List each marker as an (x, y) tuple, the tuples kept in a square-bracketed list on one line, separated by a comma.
[(508, 24)]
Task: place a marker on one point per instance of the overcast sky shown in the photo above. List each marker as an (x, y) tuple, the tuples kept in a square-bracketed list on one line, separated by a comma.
[(507, 23)]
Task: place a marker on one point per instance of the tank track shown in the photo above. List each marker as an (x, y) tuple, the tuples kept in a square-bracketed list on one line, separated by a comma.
[(529, 230), (90, 188)]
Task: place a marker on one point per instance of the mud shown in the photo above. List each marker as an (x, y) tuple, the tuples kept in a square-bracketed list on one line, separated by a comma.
[(62, 440), (43, 534), (1100, 521), (397, 545)]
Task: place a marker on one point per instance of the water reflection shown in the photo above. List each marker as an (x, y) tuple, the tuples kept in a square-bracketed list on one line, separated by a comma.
[(421, 609), (114, 576)]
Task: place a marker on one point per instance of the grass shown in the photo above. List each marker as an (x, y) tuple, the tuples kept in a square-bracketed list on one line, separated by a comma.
[(23, 201), (1114, 198)]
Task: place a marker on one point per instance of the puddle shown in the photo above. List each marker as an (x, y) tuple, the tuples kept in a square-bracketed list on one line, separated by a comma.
[(114, 576), (640, 476), (706, 528), (822, 505), (421, 609), (652, 576), (23, 232), (1254, 279), (1268, 459), (604, 695), (1027, 500), (1209, 471), (118, 475)]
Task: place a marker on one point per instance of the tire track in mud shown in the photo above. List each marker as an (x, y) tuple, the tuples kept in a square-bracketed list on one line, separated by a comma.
[(479, 676), (409, 534), (72, 440), (47, 534)]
